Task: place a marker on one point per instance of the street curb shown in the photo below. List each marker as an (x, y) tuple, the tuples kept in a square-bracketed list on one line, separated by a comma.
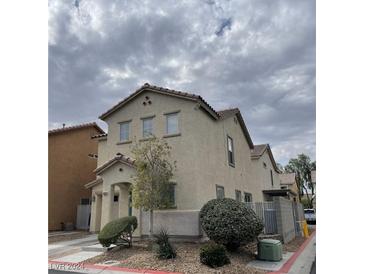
[(61, 264), (286, 267)]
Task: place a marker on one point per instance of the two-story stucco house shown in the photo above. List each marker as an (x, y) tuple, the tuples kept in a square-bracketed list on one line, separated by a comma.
[(213, 150)]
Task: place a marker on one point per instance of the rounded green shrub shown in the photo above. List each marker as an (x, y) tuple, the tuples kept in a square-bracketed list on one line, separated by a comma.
[(118, 230), (229, 222), (213, 255)]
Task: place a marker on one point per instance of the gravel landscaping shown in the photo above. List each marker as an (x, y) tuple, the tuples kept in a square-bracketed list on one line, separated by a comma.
[(187, 261)]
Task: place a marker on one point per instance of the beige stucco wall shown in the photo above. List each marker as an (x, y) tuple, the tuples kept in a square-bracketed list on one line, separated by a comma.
[(262, 175), (200, 152), (184, 146), (212, 159)]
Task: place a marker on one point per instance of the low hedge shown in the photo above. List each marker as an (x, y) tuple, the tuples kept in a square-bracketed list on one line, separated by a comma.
[(118, 231), (213, 255)]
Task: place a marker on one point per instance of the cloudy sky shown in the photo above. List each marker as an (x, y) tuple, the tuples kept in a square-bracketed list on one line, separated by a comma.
[(258, 55)]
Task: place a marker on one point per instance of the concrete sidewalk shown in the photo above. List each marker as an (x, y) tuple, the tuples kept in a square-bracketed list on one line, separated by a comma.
[(305, 260), (302, 260)]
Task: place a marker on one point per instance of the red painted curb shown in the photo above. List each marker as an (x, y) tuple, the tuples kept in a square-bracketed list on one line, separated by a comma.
[(113, 268), (286, 267)]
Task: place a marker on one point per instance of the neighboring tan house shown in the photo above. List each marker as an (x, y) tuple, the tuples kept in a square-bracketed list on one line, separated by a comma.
[(288, 182), (69, 168), (212, 150), (267, 173)]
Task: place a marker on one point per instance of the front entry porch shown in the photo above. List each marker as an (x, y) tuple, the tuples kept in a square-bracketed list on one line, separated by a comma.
[(116, 203)]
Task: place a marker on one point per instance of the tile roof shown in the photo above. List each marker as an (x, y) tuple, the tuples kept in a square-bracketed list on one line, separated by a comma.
[(118, 158), (258, 150), (99, 136), (287, 178), (81, 126), (94, 183), (161, 90), (227, 113)]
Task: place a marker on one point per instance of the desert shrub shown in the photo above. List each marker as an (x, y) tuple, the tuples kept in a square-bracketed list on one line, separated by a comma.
[(165, 249), (213, 255), (118, 231), (229, 222)]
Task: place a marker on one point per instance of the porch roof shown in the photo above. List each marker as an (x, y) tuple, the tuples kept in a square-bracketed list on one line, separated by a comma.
[(279, 192), (94, 183), (119, 158)]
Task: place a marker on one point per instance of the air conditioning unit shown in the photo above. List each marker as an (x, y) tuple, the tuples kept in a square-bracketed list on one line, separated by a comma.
[(269, 250)]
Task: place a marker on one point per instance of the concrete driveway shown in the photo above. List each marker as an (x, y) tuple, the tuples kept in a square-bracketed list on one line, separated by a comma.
[(64, 248)]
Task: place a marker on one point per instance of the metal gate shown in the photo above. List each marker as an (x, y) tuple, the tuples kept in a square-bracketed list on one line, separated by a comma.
[(267, 213), (83, 217)]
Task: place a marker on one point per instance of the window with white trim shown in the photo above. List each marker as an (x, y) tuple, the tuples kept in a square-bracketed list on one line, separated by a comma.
[(147, 125), (172, 123), (230, 151), (124, 131)]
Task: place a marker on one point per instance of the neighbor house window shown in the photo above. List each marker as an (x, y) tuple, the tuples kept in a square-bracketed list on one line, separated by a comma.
[(172, 123), (248, 197), (124, 131), (147, 127), (85, 201), (238, 195), (220, 192), (230, 151), (272, 179)]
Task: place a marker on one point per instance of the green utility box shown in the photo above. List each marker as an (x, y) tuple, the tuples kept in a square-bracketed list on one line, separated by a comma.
[(270, 250)]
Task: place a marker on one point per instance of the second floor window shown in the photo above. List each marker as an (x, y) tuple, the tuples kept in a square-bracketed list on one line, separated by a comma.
[(172, 124), (230, 151), (124, 131), (147, 127)]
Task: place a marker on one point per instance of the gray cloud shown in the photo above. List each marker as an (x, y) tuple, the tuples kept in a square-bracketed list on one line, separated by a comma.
[(256, 55)]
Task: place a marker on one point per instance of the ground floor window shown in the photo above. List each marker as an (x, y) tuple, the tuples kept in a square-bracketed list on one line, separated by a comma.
[(116, 198), (238, 195), (171, 194), (248, 197), (220, 192)]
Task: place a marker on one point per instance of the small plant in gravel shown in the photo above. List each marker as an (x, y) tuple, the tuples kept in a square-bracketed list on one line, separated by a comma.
[(118, 231), (229, 222), (213, 255), (165, 249)]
